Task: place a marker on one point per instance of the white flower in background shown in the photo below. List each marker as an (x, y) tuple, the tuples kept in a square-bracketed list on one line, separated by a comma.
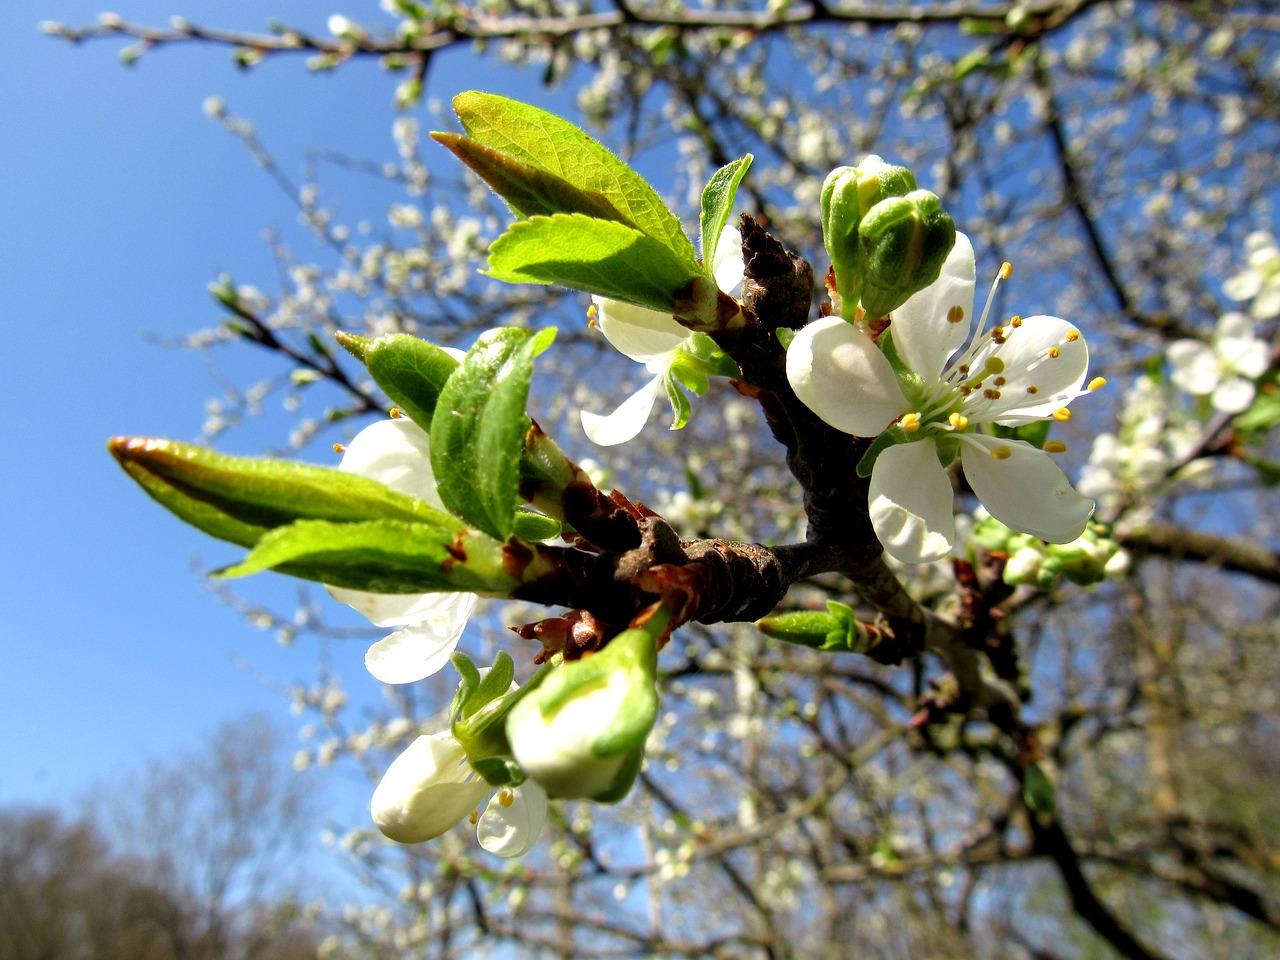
[(1223, 370), (1025, 370), (652, 338), (430, 788), (1260, 280), (397, 453)]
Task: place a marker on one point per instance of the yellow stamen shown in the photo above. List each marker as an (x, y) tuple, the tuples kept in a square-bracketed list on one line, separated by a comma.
[(591, 312), (396, 413), (1033, 389), (955, 314), (958, 421), (1073, 336), (1015, 321), (1002, 453), (1062, 414), (339, 448), (1006, 270), (1055, 446), (474, 816), (991, 394), (1054, 352), (506, 797), (1097, 383), (1000, 381), (910, 422)]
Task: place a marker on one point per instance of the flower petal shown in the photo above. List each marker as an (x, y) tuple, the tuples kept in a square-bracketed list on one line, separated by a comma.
[(422, 648), (1195, 366), (425, 791), (511, 829), (399, 609), (1023, 488), (625, 422), (841, 375), (1044, 353), (922, 333), (637, 332), (728, 267), (911, 503), (396, 453), (1233, 395)]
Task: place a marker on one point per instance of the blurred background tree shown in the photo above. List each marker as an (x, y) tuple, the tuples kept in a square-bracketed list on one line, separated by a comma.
[(1122, 155)]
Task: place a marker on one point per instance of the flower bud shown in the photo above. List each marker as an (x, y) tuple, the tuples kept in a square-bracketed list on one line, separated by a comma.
[(426, 791), (1023, 566), (847, 194), (581, 732), (905, 241)]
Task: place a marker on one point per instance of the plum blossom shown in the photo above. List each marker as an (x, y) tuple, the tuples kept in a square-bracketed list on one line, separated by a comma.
[(1260, 279), (1223, 370), (430, 788), (397, 453), (654, 339), (937, 394)]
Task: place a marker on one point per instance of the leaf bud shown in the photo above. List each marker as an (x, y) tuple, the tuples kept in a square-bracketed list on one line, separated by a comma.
[(905, 241)]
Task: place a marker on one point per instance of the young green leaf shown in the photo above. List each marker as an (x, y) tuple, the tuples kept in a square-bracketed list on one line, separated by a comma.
[(411, 372), (542, 139), (383, 556), (479, 427), (717, 205), (602, 257), (528, 190), (240, 499)]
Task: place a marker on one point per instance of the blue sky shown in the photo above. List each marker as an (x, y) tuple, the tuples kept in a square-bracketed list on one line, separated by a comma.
[(119, 203)]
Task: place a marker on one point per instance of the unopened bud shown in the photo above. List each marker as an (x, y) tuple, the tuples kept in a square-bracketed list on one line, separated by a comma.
[(905, 241)]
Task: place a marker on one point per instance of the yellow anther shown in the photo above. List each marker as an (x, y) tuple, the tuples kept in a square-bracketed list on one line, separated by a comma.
[(339, 448), (396, 413), (1002, 453), (964, 368), (1055, 446), (474, 816), (1006, 270), (506, 797), (1000, 381), (955, 314), (991, 394), (1033, 389), (1054, 352), (1062, 414), (591, 312), (910, 422), (1073, 336), (997, 333), (1097, 383), (958, 421), (1015, 321)]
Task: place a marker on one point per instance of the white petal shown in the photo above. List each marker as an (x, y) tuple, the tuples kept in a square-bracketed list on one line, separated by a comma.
[(1267, 304), (911, 503), (1234, 326), (1233, 395), (425, 792), (1243, 286), (728, 267), (422, 648), (922, 334), (625, 422), (1028, 362), (637, 332), (511, 830), (399, 609), (1026, 491), (1195, 366), (839, 374), (396, 453)]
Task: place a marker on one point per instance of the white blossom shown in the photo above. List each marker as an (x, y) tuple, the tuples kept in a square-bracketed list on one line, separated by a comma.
[(652, 338), (1224, 369), (397, 453), (1017, 373)]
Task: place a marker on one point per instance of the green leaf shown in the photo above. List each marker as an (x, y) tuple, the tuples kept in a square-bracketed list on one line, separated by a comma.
[(411, 372), (1035, 433), (717, 206), (529, 190), (543, 140), (603, 257), (680, 406), (479, 426), (536, 526), (239, 499), (384, 556)]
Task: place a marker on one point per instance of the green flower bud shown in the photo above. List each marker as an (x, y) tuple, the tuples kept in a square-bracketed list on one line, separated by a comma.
[(847, 194), (581, 732), (834, 630), (905, 241)]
